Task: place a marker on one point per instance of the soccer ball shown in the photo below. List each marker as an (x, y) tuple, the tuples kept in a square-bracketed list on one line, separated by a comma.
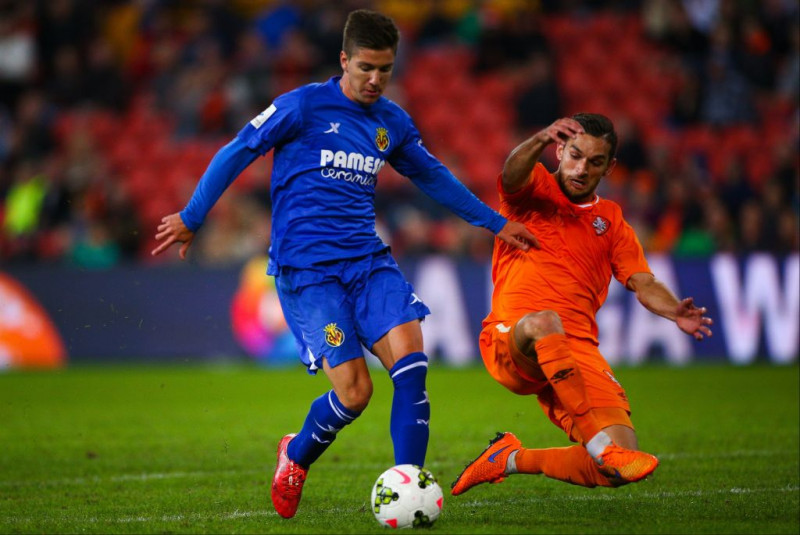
[(406, 496)]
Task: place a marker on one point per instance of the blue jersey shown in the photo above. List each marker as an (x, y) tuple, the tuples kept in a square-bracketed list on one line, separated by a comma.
[(328, 151)]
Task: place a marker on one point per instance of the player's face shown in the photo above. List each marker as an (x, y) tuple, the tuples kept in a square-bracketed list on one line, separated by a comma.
[(584, 161), (366, 74)]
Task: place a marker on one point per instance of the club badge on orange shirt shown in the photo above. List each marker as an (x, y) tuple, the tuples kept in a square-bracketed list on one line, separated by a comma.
[(382, 139), (600, 225), (334, 336)]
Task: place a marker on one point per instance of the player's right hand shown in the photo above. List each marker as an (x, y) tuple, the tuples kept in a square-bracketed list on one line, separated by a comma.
[(518, 235), (173, 230), (561, 131)]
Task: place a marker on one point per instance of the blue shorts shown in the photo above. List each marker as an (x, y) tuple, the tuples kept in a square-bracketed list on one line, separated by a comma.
[(333, 309)]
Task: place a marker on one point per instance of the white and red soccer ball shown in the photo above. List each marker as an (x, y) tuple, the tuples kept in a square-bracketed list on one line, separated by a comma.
[(406, 496)]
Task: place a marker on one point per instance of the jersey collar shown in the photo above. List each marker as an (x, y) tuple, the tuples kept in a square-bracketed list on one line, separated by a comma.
[(590, 204), (337, 87)]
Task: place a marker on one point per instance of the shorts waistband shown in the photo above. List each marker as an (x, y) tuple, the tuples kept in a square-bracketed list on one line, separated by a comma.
[(283, 270)]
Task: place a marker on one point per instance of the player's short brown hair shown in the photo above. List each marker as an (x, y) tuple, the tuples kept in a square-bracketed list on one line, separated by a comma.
[(369, 29), (599, 126)]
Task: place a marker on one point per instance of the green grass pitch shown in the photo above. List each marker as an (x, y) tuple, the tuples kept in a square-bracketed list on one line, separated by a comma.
[(191, 450)]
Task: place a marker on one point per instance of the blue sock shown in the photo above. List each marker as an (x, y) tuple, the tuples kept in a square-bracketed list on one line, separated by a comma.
[(411, 410), (326, 418)]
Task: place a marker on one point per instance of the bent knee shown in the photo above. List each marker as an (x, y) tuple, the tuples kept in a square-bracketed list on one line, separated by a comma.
[(537, 325), (356, 396)]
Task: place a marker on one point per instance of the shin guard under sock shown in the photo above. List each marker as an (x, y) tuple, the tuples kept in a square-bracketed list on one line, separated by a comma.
[(326, 417), (411, 410), (563, 374)]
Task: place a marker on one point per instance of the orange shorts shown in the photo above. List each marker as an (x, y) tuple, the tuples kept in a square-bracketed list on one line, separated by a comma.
[(520, 374)]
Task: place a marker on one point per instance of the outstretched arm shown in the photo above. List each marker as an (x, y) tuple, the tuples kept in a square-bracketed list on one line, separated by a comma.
[(523, 158), (658, 299), (226, 165), (443, 187)]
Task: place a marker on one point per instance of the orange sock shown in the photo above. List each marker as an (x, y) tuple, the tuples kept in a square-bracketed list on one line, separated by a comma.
[(572, 465), (563, 374)]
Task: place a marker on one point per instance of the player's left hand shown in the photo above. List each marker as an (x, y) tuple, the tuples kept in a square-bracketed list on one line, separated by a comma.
[(690, 319), (173, 230), (518, 235)]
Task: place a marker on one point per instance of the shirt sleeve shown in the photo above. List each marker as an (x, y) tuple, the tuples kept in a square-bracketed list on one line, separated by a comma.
[(278, 124), (627, 256), (517, 205), (414, 161), (223, 169)]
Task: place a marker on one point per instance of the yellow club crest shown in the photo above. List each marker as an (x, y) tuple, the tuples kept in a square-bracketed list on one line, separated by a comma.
[(382, 139), (334, 336)]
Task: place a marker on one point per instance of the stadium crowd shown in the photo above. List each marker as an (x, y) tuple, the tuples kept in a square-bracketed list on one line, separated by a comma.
[(110, 111)]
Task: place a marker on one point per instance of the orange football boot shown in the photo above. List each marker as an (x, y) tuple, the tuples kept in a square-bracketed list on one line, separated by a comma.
[(626, 465), (490, 466)]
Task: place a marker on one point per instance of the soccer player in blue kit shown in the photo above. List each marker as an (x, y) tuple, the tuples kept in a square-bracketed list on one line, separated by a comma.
[(338, 285)]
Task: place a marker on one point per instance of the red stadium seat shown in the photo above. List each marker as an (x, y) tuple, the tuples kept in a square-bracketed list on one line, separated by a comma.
[(657, 136), (741, 139), (698, 138), (485, 115), (104, 127), (482, 171), (760, 166), (495, 87)]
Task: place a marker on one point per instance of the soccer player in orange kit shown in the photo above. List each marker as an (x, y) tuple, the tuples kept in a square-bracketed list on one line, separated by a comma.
[(541, 334)]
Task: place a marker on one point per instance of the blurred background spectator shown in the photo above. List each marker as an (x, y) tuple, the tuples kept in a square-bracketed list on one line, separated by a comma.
[(110, 111)]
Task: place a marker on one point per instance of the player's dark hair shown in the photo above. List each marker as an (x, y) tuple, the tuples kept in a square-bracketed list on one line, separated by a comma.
[(371, 30), (599, 126)]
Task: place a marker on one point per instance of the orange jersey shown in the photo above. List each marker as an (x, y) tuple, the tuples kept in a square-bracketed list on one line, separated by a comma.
[(582, 246)]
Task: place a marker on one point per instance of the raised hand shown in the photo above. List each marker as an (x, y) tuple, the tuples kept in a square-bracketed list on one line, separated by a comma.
[(560, 131)]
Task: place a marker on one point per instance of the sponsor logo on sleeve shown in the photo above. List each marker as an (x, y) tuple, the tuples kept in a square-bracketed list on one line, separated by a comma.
[(262, 117), (560, 375)]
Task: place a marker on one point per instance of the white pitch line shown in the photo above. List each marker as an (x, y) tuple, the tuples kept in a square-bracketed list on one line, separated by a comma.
[(736, 454), (180, 518), (644, 495), (477, 503), (146, 476), (127, 477), (140, 518), (266, 471)]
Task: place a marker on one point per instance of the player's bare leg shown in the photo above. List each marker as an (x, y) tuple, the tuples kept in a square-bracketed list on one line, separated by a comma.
[(400, 341), (351, 382)]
